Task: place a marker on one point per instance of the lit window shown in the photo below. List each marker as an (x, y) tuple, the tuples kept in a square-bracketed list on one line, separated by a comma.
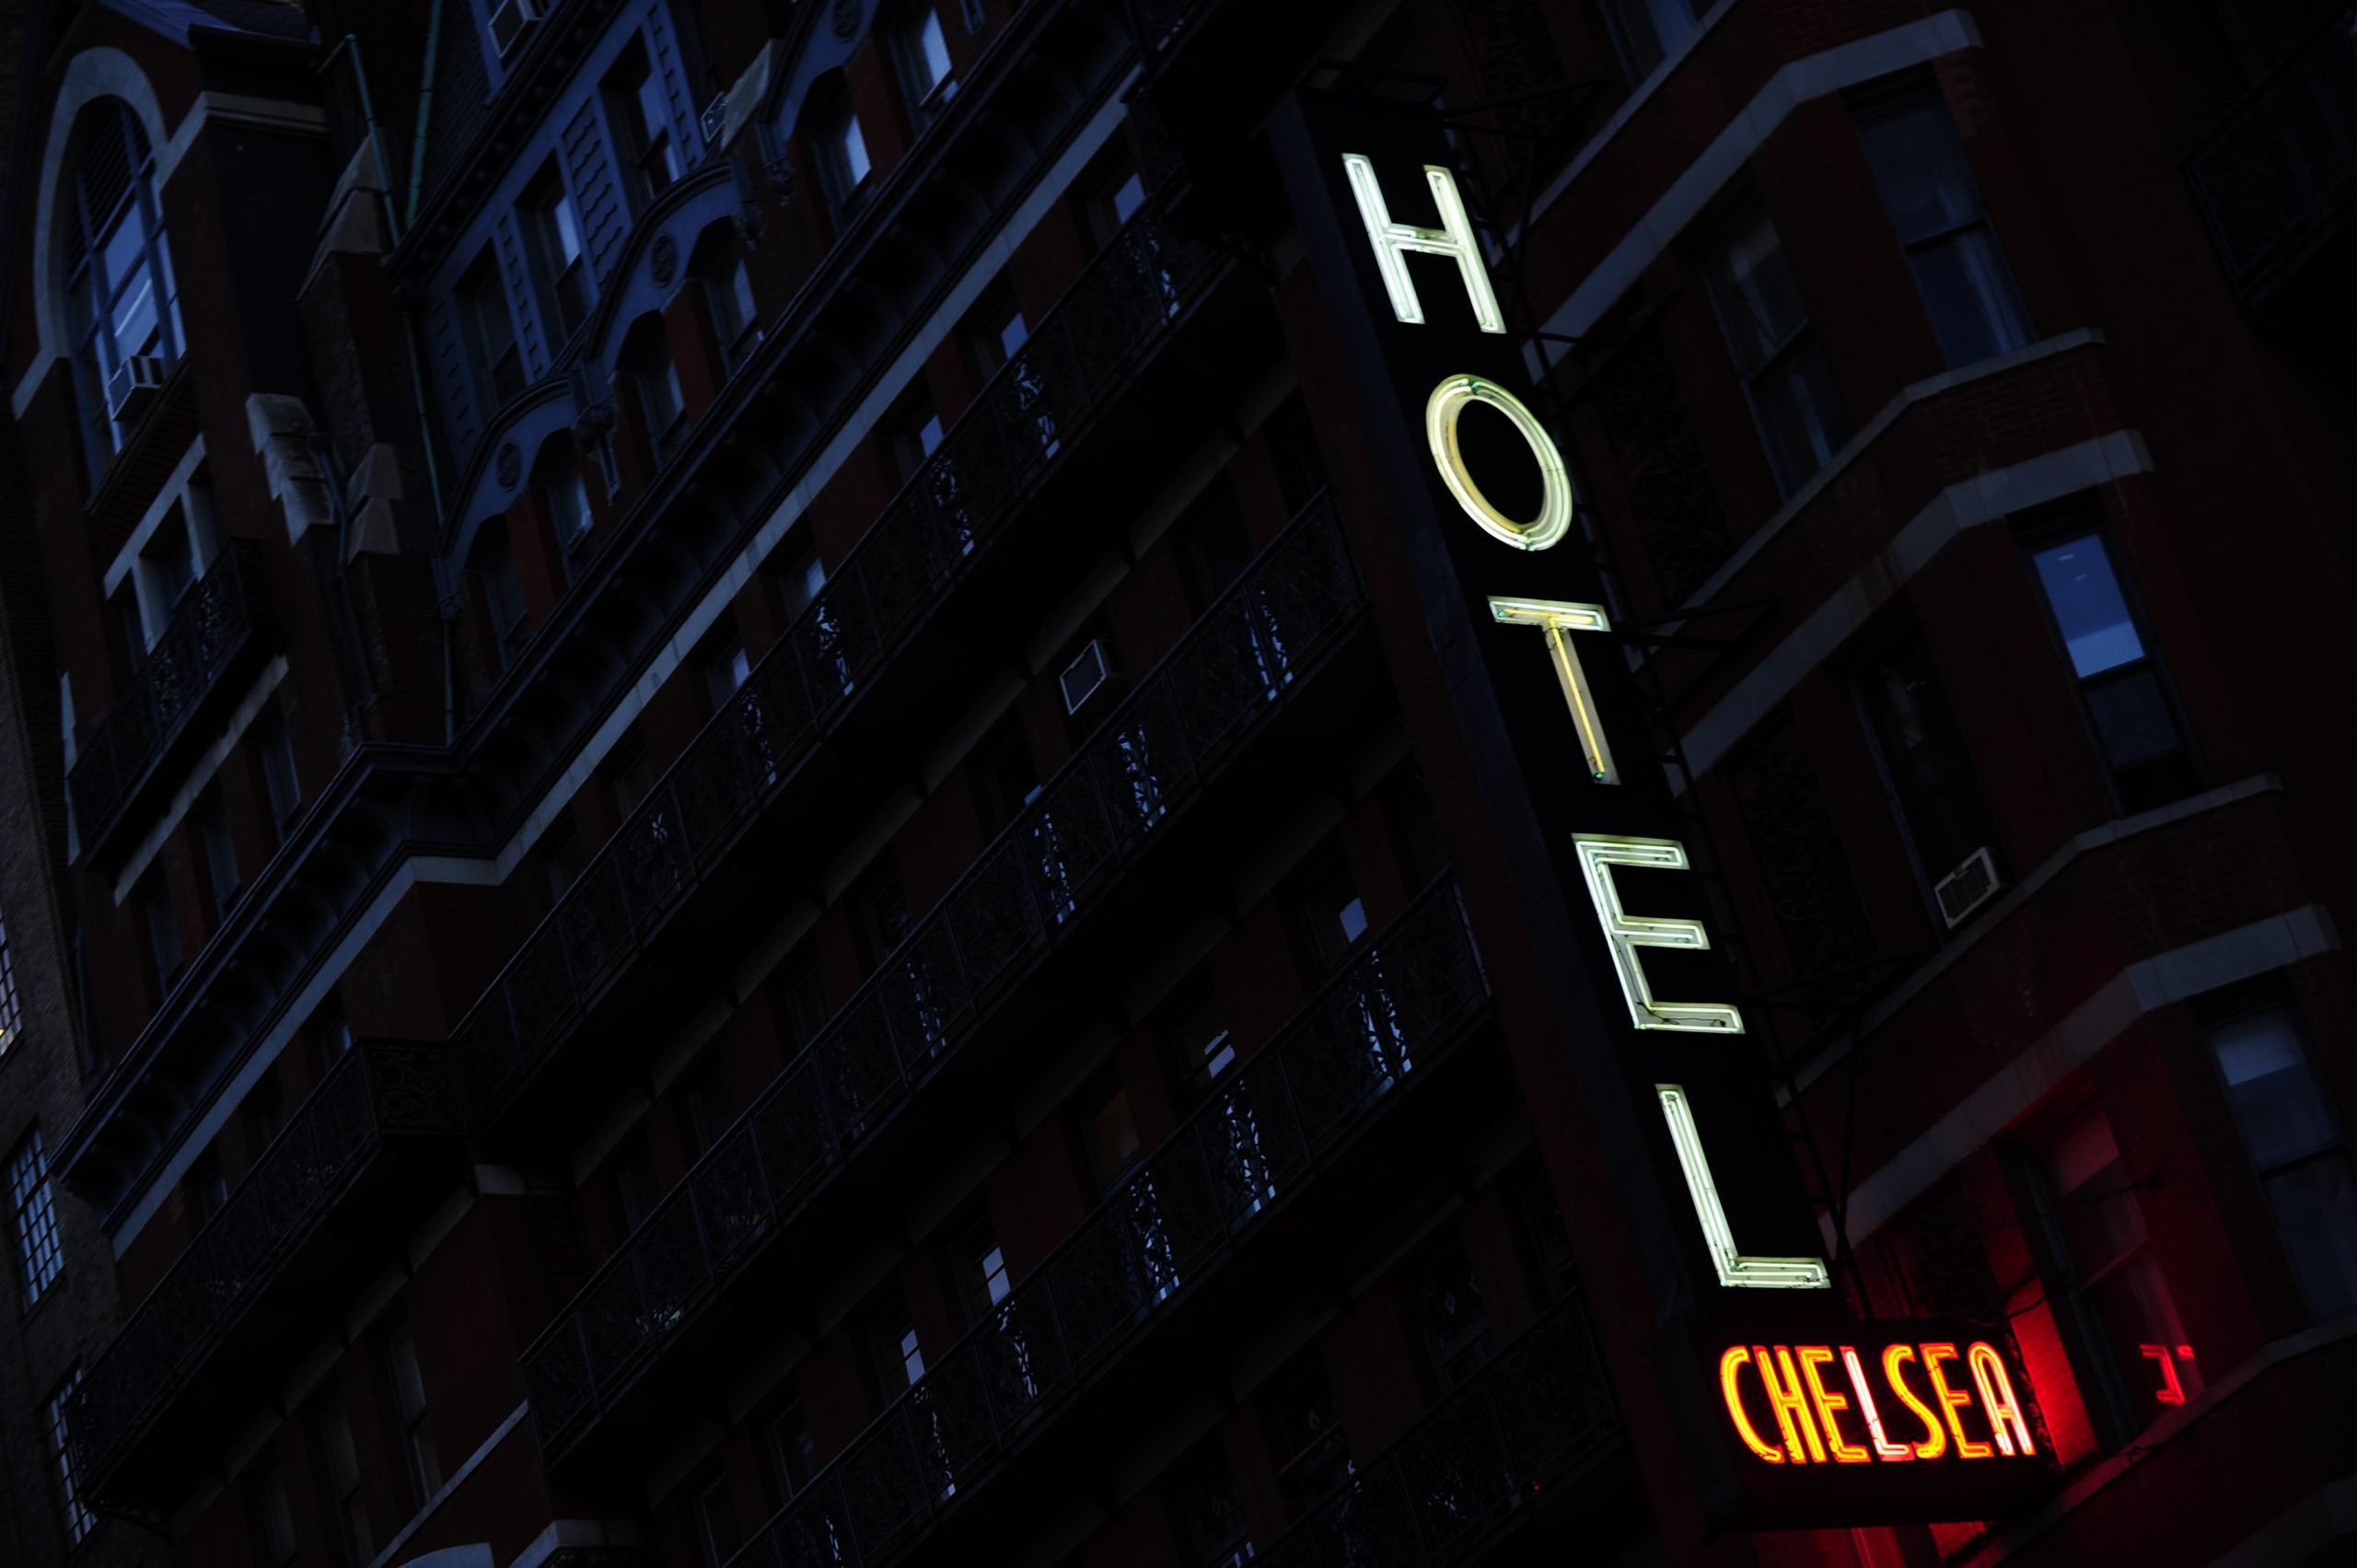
[(642, 115), (978, 1265), (2113, 1284), (841, 146), (1783, 367), (1648, 31), (11, 1017), (1934, 204), (1113, 200), (997, 331), (409, 1407), (913, 433), (553, 230), (490, 330), (2297, 1148), (925, 72), (39, 1257), (79, 1520), (2134, 721), (499, 588), (122, 308)]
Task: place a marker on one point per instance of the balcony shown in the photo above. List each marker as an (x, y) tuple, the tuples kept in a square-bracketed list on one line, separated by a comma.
[(216, 638), (1479, 1467), (1240, 1173), (2277, 180), (1101, 865), (364, 1158), (882, 661)]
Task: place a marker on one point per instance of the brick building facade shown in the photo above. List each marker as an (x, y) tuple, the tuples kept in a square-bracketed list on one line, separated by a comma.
[(778, 840)]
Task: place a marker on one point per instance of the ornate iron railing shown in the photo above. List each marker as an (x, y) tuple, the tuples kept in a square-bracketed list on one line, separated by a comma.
[(1251, 1147), (2283, 167), (379, 1089), (1539, 1411), (216, 620), (1001, 447), (1031, 885)]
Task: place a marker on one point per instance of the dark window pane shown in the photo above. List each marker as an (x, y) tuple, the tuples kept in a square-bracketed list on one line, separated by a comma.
[(2316, 1213)]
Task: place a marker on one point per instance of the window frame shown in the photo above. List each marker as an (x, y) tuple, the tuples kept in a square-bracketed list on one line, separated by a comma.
[(32, 1218), (1734, 219), (549, 211), (924, 92), (97, 349), (1617, 24), (80, 1519)]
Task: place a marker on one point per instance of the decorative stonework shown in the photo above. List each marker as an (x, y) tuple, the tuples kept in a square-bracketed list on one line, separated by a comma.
[(665, 258), (511, 465)]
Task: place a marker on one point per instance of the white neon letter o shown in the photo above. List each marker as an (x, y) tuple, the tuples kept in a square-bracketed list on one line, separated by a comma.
[(1441, 412)]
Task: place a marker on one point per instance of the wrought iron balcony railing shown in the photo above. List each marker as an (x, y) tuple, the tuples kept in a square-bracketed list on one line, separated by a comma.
[(214, 629), (379, 1093), (1105, 807), (1537, 1413), (1268, 1127), (998, 453), (2280, 174)]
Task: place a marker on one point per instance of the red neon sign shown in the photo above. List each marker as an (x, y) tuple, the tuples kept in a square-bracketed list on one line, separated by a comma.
[(1933, 1400), (2172, 1388)]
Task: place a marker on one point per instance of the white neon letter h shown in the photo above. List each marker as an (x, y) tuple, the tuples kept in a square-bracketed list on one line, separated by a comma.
[(1392, 242)]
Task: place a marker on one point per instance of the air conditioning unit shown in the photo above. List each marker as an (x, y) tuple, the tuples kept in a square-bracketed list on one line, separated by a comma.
[(1087, 676), (132, 386), (1967, 887), (713, 113), (509, 20)]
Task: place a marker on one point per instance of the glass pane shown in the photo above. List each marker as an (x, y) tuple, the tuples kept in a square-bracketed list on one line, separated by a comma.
[(2132, 719), (1970, 296), (2141, 1327), (1800, 414), (124, 251), (2100, 1219), (1759, 300), (1920, 168), (2316, 1212), (933, 51), (2277, 1102), (851, 149), (2088, 606), (1650, 30)]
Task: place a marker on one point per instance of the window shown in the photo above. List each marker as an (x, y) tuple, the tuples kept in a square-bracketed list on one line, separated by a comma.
[(159, 923), (1305, 1425), (892, 1335), (1449, 1306), (801, 992), (1329, 916), (799, 576), (1648, 31), (1194, 1025), (499, 587), (134, 622), (167, 567), (629, 773), (1923, 754), (723, 663), (331, 1036), (564, 497), (1112, 199), (1209, 1512), (78, 1518), (728, 295), (911, 432), (838, 146), (1005, 779), (921, 51), (718, 1535), (1108, 1133), (560, 857), (121, 306), (2126, 704), (264, 1114), (347, 1498), (2297, 1149), (274, 1516), (1783, 367), (635, 1186), (662, 408), (793, 1456), (274, 759), (997, 331), (1212, 544), (490, 330), (207, 1189), (2113, 1289), (706, 1108), (408, 1379), (12, 1017), (1934, 204), (978, 1265), (218, 852), (879, 912), (554, 232), (39, 1257), (642, 118)]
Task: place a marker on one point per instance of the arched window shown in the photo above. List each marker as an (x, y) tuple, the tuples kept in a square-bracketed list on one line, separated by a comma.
[(563, 498), (499, 588), (921, 51), (830, 129), (719, 268), (121, 310), (646, 359)]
